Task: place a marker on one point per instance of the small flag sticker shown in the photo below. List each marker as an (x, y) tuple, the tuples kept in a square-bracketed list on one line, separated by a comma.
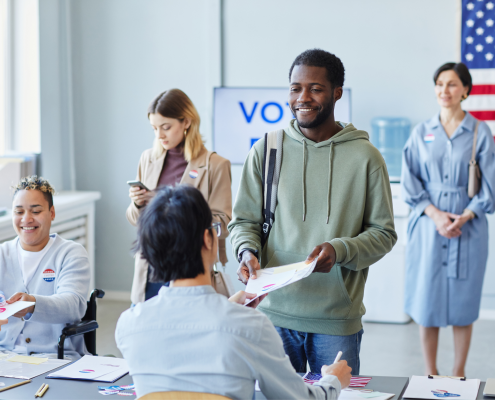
[(193, 174), (430, 137)]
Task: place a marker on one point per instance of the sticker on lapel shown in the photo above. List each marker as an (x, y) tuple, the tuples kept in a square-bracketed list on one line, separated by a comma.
[(430, 137), (193, 174), (48, 275)]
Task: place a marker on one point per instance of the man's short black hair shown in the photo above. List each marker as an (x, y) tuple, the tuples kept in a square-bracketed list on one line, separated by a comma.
[(460, 69), (170, 233), (321, 58)]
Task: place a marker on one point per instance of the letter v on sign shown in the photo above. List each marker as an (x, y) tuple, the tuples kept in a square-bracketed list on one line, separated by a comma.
[(248, 117)]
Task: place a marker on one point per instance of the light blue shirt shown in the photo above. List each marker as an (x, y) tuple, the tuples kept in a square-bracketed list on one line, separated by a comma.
[(60, 286), (193, 339)]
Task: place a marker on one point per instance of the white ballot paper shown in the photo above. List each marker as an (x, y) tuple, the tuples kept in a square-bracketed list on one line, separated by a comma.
[(93, 368), (351, 394), (270, 279), (422, 387), (8, 310)]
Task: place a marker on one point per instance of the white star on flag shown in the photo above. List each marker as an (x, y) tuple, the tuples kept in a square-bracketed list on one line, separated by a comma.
[(489, 39), (489, 6), (480, 14), (489, 22), (480, 31), (470, 6), (479, 48), (469, 57), (489, 56), (470, 23), (469, 40)]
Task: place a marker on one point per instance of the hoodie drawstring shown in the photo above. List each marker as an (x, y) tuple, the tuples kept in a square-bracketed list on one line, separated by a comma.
[(304, 180), (329, 179)]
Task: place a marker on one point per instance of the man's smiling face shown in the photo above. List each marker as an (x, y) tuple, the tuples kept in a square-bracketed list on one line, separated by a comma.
[(32, 219), (310, 95)]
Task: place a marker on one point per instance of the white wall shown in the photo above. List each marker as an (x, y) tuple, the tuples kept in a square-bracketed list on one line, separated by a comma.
[(127, 51)]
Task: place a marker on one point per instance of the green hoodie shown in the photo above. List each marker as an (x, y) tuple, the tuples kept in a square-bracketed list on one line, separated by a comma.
[(335, 191)]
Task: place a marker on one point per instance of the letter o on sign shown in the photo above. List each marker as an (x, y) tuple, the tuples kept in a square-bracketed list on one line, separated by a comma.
[(280, 113)]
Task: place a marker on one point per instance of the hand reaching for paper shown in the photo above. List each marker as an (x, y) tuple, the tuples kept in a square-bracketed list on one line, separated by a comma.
[(326, 257), (19, 296), (241, 296)]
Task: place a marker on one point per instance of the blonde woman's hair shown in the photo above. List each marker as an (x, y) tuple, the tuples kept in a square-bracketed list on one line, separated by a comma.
[(34, 183), (174, 103)]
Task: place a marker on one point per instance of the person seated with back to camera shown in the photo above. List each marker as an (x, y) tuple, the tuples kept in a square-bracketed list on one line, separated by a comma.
[(188, 337), (46, 269)]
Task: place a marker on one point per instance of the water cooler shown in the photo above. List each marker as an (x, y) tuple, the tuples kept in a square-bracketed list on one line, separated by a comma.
[(384, 293)]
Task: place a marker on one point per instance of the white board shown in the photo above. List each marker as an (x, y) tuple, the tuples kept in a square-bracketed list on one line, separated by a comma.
[(244, 115)]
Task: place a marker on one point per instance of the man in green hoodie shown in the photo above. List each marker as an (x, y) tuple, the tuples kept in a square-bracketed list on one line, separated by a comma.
[(334, 202)]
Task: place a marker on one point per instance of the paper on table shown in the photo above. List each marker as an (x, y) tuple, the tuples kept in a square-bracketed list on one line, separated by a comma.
[(94, 368), (19, 370), (421, 387), (270, 279), (28, 359), (350, 394), (8, 310)]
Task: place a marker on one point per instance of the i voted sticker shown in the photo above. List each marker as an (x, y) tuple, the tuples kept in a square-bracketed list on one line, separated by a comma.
[(193, 174), (48, 275), (430, 137)]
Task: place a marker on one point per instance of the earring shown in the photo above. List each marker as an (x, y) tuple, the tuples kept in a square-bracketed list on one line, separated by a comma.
[(185, 132), (464, 97)]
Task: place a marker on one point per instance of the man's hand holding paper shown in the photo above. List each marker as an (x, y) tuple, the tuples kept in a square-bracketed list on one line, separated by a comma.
[(270, 279)]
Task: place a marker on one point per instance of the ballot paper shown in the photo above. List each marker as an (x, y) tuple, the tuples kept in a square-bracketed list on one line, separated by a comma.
[(8, 310), (270, 279), (25, 370), (421, 387), (93, 368), (28, 359), (355, 394)]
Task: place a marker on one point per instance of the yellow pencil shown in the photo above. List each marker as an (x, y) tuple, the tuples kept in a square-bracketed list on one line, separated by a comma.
[(15, 385), (43, 391), (39, 390)]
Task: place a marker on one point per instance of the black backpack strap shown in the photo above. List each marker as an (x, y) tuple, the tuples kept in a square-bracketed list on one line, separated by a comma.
[(272, 161)]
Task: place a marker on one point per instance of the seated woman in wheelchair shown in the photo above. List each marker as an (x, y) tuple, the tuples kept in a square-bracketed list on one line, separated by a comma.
[(46, 269), (190, 338)]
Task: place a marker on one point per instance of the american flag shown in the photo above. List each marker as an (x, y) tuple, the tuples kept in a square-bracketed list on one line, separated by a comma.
[(356, 381), (478, 53)]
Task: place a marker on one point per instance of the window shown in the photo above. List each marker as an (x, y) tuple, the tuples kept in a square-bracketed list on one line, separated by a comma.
[(19, 77)]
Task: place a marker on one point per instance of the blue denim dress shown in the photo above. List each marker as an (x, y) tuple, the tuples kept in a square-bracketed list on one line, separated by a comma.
[(444, 277)]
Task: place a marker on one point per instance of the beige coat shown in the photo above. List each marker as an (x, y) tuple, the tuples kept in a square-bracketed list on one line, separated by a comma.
[(214, 181)]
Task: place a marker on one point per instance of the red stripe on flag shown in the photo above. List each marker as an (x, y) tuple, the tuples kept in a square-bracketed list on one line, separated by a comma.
[(483, 115), (482, 89)]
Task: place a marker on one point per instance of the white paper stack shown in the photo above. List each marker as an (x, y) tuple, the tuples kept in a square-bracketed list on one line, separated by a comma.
[(270, 279), (93, 368)]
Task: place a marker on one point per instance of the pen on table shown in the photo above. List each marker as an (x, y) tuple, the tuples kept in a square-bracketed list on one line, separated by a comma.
[(39, 390), (14, 385), (337, 359), (43, 391)]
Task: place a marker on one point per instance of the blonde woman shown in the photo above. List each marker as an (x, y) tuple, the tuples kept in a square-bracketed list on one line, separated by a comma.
[(178, 156)]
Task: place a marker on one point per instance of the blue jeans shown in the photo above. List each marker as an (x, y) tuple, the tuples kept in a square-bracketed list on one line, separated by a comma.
[(319, 350), (152, 288)]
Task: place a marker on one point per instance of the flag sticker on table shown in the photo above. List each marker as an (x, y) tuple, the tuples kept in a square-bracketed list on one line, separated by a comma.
[(478, 53)]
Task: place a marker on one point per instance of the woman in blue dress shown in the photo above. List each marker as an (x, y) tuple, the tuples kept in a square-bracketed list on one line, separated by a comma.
[(447, 232)]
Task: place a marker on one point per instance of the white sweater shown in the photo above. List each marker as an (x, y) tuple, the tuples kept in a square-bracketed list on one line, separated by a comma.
[(59, 301)]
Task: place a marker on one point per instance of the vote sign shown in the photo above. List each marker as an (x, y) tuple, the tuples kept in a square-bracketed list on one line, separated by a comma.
[(243, 115)]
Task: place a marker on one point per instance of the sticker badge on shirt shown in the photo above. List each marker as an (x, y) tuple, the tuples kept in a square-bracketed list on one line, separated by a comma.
[(430, 137), (193, 174), (48, 275)]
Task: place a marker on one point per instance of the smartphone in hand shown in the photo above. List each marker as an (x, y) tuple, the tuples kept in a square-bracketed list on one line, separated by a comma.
[(138, 184)]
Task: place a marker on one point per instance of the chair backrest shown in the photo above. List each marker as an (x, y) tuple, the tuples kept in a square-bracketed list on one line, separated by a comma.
[(90, 337), (182, 396)]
